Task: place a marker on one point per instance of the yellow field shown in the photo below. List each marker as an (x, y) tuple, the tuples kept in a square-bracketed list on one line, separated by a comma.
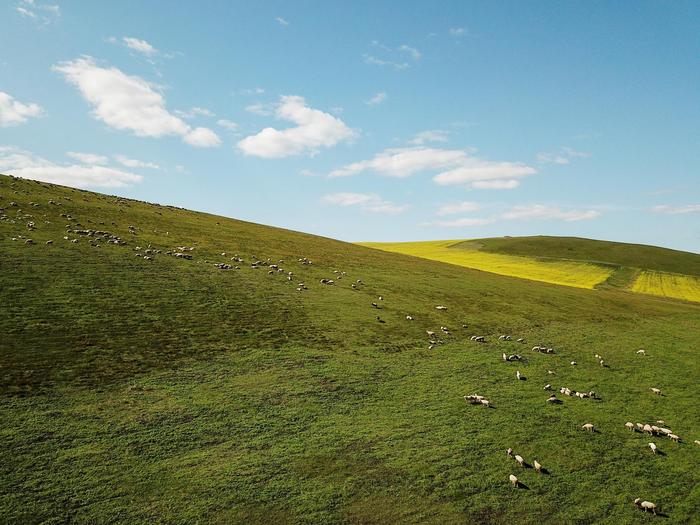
[(567, 273), (673, 285)]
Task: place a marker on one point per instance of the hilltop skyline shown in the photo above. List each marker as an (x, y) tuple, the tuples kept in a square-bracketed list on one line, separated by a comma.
[(368, 122)]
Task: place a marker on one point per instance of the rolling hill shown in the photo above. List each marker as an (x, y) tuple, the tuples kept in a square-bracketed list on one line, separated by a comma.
[(570, 261), (143, 386)]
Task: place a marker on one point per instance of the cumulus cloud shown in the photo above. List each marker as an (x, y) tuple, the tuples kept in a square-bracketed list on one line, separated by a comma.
[(377, 99), (370, 202), (130, 103), (564, 156), (314, 129), (676, 210), (541, 211), (134, 163), (460, 167), (24, 164), (458, 207), (431, 135), (13, 112), (87, 158), (140, 46), (227, 124)]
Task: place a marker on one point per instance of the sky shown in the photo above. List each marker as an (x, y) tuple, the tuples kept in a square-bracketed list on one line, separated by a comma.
[(366, 120)]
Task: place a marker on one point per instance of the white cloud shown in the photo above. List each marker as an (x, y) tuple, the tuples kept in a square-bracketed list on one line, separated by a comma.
[(314, 129), (260, 108), (377, 99), (140, 46), (44, 13), (431, 135), (281, 21), (202, 138), (12, 111), (412, 51), (370, 59), (227, 124), (676, 210), (564, 156), (464, 221), (541, 211), (461, 168), (370, 202), (458, 31), (87, 158), (27, 165), (458, 207), (127, 102), (134, 163), (194, 112)]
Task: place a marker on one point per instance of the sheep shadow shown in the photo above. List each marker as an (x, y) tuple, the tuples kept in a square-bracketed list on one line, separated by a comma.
[(522, 485), (544, 471)]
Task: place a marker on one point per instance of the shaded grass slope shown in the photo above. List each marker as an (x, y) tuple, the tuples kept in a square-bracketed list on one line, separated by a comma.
[(170, 391)]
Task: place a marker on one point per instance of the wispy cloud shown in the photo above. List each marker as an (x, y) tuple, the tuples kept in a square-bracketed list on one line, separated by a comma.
[(458, 207), (134, 163), (456, 167), (564, 156), (314, 129), (676, 210), (126, 102), (13, 112), (260, 108), (194, 112), (39, 12), (370, 59), (370, 202), (542, 211), (227, 124), (412, 51), (431, 135), (377, 99), (392, 57), (87, 158), (458, 32), (281, 21), (25, 164), (464, 221), (140, 46)]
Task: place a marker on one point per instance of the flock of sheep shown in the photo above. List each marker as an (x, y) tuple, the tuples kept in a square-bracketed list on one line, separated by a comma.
[(74, 230)]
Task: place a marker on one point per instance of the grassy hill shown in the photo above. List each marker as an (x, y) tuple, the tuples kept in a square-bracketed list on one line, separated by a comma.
[(169, 390), (570, 261)]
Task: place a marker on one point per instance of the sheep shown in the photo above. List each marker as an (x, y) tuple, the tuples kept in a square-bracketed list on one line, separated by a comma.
[(653, 447), (641, 351), (440, 307), (547, 387), (517, 374), (521, 340), (674, 437), (514, 357), (409, 318), (665, 431), (505, 358), (509, 451), (520, 460), (656, 391), (538, 467), (602, 363), (381, 298), (573, 363), (629, 426), (550, 372), (589, 427), (504, 338), (514, 481), (375, 305), (645, 505), (553, 399), (647, 428), (640, 427), (486, 403), (697, 441), (430, 333)]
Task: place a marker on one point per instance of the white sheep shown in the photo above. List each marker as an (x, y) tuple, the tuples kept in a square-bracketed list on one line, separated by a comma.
[(629, 426), (520, 460), (588, 426), (509, 451), (573, 363), (547, 387), (486, 403), (409, 318), (517, 374), (645, 505), (674, 437), (653, 447), (513, 480), (641, 351), (655, 391), (640, 427), (538, 467), (647, 428), (697, 441)]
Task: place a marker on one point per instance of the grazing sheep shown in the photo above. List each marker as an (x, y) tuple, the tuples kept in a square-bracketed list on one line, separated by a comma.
[(641, 352), (674, 437), (505, 358), (520, 460), (550, 372), (656, 391), (517, 374), (520, 340), (375, 305), (547, 387), (629, 426), (647, 428), (538, 467), (602, 363), (430, 333), (409, 318), (697, 441), (665, 431), (653, 447), (509, 452), (486, 403), (640, 427), (573, 363), (553, 399), (514, 481), (589, 427), (645, 505)]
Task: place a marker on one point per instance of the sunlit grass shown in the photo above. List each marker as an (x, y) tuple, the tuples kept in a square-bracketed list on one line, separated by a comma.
[(567, 273), (684, 287)]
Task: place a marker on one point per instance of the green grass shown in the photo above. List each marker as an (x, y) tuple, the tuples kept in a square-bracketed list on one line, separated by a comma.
[(173, 392)]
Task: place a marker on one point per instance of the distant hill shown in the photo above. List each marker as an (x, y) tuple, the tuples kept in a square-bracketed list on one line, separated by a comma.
[(144, 381)]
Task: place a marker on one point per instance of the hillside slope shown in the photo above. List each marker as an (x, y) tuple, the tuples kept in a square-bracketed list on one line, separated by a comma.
[(169, 390)]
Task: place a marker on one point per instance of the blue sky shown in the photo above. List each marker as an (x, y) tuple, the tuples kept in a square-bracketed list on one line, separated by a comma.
[(368, 120)]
